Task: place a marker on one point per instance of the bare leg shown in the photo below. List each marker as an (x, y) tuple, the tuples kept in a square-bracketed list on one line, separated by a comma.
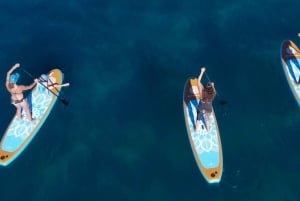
[(197, 125), (18, 113), (27, 111), (207, 121)]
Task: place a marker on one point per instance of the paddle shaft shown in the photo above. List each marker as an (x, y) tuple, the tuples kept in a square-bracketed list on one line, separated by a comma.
[(64, 101)]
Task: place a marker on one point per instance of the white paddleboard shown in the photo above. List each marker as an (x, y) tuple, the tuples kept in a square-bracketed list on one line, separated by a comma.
[(290, 59), (206, 145), (20, 132)]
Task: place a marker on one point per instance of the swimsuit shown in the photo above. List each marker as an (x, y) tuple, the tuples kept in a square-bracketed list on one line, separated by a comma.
[(15, 102), (203, 108)]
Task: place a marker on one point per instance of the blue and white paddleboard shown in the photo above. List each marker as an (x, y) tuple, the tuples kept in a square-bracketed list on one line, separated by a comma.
[(20, 132), (290, 59), (206, 145)]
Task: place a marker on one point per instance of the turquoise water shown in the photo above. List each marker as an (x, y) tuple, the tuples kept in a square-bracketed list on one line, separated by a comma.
[(123, 135)]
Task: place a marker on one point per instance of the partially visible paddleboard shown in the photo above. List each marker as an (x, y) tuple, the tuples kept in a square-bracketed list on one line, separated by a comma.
[(20, 132), (206, 145), (290, 59)]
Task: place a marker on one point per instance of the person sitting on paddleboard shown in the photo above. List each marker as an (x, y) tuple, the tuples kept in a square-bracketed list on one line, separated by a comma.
[(16, 91), (207, 95), (49, 82)]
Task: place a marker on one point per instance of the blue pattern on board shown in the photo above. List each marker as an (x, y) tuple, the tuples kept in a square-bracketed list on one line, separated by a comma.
[(294, 69), (123, 136), (20, 129)]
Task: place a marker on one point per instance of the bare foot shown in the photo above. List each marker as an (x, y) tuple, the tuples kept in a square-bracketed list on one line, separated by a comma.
[(32, 120), (208, 128), (20, 116)]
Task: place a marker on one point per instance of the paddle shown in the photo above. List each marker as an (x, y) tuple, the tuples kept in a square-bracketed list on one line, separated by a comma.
[(221, 101), (61, 99)]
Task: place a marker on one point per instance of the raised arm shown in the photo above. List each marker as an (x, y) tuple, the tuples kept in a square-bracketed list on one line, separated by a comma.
[(200, 86), (17, 65), (200, 77)]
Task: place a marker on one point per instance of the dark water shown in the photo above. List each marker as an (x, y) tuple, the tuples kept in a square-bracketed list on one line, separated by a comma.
[(123, 135)]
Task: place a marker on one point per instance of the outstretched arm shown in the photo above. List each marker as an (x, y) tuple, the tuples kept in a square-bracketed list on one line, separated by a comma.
[(50, 86), (62, 85), (29, 86)]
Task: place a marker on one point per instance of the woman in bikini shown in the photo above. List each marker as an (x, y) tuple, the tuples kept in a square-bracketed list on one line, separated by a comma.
[(16, 91), (207, 95)]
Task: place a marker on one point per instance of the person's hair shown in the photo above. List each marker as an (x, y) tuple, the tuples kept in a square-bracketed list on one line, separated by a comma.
[(209, 93)]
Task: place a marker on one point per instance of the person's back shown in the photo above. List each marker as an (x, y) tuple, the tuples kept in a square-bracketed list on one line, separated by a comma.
[(208, 93)]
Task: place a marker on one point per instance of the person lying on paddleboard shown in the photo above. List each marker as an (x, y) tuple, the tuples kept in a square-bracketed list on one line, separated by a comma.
[(207, 95), (49, 82), (16, 91)]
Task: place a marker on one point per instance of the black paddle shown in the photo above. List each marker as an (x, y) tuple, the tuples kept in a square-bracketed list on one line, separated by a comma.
[(61, 99)]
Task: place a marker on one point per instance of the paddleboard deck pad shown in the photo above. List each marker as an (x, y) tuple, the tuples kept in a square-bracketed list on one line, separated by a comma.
[(290, 59), (20, 132), (206, 145)]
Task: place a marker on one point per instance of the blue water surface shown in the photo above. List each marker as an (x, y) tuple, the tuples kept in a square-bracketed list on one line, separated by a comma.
[(123, 135)]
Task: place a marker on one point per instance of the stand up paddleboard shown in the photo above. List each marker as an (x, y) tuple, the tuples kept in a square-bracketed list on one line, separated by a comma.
[(206, 145), (20, 132), (290, 59)]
